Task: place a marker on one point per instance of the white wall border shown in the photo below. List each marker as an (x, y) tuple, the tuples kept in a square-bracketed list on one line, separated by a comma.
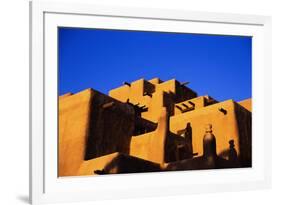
[(59, 190)]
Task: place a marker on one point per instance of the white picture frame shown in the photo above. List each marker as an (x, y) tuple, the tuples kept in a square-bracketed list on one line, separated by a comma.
[(45, 186)]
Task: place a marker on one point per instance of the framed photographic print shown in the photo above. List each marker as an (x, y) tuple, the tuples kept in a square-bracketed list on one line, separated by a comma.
[(129, 102)]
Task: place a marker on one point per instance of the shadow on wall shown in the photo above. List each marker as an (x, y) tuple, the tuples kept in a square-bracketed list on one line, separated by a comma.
[(111, 126), (230, 154), (179, 146), (244, 119), (127, 164)]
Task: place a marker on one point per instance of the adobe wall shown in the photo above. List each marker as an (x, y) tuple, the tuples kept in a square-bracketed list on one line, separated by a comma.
[(94, 126), (247, 104), (225, 127), (244, 120), (106, 119), (86, 127), (117, 163), (154, 94), (140, 145), (135, 92), (88, 167), (151, 146), (74, 118)]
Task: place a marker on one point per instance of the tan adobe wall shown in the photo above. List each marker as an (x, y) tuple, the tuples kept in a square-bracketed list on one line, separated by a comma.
[(247, 104), (225, 126), (74, 115)]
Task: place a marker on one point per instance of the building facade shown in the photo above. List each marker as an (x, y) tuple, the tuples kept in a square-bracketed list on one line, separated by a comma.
[(147, 126)]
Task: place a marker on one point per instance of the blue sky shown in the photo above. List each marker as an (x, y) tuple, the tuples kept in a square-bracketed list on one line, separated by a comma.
[(220, 66)]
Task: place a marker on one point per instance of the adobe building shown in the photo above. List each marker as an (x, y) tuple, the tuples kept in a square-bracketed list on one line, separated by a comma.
[(147, 126)]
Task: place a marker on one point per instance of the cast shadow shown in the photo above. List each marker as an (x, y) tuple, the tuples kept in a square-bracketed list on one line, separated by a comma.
[(23, 198)]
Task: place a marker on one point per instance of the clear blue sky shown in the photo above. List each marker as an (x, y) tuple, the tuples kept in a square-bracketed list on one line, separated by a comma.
[(220, 66)]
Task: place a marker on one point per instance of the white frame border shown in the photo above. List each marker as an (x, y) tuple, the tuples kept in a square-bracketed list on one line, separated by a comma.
[(37, 98)]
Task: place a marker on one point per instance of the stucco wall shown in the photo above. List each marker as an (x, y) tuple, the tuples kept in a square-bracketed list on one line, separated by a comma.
[(225, 126)]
